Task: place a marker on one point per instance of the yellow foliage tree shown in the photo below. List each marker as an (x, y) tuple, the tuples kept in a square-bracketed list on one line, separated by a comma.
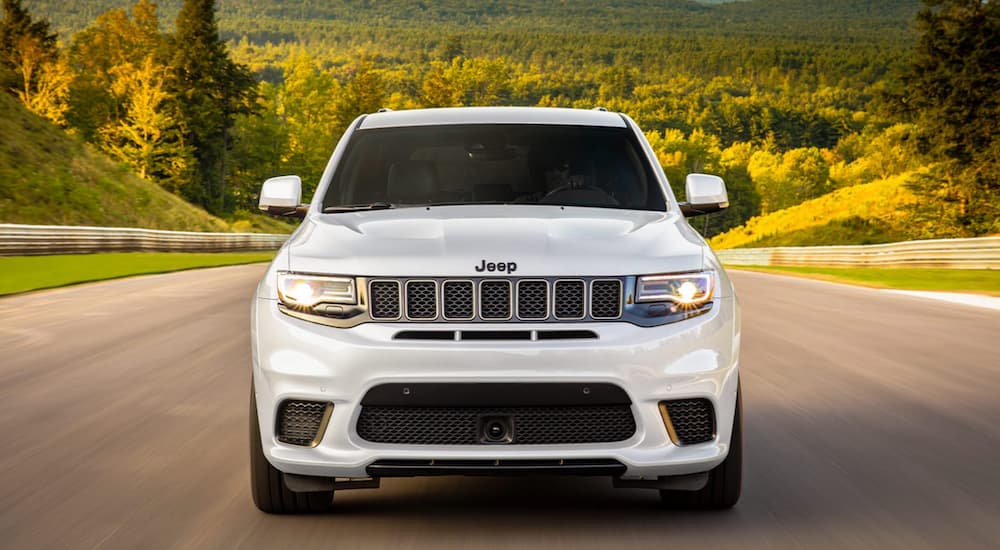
[(147, 137), (45, 81)]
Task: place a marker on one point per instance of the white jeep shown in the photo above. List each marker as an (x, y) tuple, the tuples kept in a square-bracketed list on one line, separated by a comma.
[(492, 291)]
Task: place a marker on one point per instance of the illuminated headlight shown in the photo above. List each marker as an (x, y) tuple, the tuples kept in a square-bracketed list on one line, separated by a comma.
[(301, 292), (686, 289)]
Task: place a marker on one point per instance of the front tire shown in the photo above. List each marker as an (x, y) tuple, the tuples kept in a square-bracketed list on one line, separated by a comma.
[(266, 483), (724, 481)]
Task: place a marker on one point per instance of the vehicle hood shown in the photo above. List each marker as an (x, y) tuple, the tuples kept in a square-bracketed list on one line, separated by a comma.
[(450, 241)]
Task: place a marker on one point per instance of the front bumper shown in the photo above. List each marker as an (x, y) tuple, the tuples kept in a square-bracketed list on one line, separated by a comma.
[(296, 359)]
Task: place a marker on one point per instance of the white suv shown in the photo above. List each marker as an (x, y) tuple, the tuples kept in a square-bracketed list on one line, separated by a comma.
[(494, 291)]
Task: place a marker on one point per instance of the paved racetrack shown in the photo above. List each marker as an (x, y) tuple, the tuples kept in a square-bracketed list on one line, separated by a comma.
[(872, 420)]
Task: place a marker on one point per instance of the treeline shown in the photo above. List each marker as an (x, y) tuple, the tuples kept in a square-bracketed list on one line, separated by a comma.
[(789, 100)]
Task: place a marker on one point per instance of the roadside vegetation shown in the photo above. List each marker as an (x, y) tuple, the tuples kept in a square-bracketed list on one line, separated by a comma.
[(982, 281), (24, 273), (803, 106), (48, 177)]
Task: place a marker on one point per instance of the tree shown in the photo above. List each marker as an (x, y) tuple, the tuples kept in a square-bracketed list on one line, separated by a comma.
[(17, 32), (211, 91), (784, 180), (363, 93), (147, 138), (950, 91), (97, 52), (46, 82)]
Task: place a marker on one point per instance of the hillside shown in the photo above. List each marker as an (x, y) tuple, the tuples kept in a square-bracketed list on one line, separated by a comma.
[(871, 213), (49, 177)]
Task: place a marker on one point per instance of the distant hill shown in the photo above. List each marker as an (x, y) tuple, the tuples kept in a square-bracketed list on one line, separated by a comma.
[(290, 19), (49, 177)]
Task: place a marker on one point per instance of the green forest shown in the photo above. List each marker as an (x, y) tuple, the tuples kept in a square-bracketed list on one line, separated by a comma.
[(851, 121)]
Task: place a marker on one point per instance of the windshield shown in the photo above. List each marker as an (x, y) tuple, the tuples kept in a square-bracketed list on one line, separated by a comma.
[(495, 164)]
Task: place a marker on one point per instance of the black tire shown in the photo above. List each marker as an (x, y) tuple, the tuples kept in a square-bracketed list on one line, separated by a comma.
[(268, 488), (724, 481)]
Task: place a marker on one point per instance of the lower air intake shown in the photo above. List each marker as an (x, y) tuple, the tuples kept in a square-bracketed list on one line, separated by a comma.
[(302, 422), (689, 421), (529, 425)]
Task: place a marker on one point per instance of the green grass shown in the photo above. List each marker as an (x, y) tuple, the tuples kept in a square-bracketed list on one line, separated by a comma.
[(24, 273), (980, 281)]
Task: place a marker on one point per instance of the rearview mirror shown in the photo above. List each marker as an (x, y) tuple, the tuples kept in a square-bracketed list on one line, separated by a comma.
[(705, 194), (282, 196)]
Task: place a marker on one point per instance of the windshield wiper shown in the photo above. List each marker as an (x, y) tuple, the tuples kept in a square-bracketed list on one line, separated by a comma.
[(358, 207)]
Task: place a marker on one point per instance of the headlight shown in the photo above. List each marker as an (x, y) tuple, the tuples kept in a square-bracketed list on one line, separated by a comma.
[(686, 289), (306, 291)]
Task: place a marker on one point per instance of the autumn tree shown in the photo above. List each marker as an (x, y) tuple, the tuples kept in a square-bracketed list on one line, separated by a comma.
[(784, 180), (211, 91), (45, 82), (147, 137), (26, 45), (97, 52)]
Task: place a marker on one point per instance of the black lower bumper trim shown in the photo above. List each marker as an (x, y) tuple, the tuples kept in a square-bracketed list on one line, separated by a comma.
[(574, 467)]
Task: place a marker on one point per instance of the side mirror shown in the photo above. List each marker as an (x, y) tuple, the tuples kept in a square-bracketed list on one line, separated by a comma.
[(705, 194), (282, 196)]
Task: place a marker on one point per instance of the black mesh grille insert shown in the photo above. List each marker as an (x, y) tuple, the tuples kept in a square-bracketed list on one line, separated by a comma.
[(693, 420), (531, 425), (606, 299), (494, 300), (532, 300), (458, 302), (385, 299), (421, 299), (569, 299), (299, 421)]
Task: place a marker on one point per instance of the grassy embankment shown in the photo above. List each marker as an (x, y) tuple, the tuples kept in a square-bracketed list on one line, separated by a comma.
[(49, 177), (24, 273), (870, 213)]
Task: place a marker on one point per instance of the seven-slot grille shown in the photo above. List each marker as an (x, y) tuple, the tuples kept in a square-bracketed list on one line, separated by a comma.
[(495, 299)]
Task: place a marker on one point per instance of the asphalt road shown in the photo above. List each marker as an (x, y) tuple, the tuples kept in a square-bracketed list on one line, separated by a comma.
[(872, 420)]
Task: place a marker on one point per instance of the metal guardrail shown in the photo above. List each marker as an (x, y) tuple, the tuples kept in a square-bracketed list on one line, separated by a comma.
[(36, 240), (977, 253)]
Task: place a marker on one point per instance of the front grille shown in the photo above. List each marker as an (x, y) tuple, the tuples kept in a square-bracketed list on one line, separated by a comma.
[(488, 299), (569, 299), (300, 422), (421, 299), (494, 300), (606, 299), (531, 425), (693, 420), (385, 300), (532, 300), (458, 300)]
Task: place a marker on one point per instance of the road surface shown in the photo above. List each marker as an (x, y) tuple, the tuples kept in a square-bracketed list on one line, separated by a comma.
[(872, 420)]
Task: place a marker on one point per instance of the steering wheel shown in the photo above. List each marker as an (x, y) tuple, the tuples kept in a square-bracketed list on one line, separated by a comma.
[(578, 187)]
